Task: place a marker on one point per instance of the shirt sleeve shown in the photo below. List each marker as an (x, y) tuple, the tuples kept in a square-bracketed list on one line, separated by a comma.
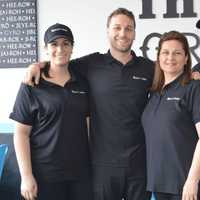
[(194, 100), (83, 64), (23, 107), (80, 66)]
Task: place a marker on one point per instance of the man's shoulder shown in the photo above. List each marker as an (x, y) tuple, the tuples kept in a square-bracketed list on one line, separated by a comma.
[(146, 67), (81, 65), (87, 58), (146, 61), (146, 64)]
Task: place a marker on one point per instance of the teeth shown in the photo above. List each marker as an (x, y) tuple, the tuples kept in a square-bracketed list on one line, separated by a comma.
[(123, 41)]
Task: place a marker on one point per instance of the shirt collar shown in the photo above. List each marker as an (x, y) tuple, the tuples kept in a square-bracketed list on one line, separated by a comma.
[(72, 79), (174, 82), (110, 59)]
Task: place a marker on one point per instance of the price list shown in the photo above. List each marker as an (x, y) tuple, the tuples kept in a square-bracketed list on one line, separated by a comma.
[(18, 33)]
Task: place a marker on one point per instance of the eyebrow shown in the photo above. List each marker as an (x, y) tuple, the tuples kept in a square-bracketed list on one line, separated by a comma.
[(120, 25), (116, 25), (173, 50)]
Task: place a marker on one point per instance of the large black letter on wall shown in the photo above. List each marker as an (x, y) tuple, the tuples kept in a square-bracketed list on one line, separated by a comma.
[(188, 7), (172, 9), (147, 10)]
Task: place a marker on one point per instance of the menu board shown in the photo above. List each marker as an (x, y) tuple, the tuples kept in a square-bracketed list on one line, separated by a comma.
[(18, 33)]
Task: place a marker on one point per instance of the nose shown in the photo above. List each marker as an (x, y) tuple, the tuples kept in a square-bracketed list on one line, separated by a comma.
[(122, 32), (171, 56), (60, 48)]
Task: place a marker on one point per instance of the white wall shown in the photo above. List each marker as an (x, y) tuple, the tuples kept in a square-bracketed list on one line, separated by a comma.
[(87, 18)]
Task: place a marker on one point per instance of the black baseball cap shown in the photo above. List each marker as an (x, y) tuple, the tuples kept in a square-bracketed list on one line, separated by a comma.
[(198, 24), (58, 31)]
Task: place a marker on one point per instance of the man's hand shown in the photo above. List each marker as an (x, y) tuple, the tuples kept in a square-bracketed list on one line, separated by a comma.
[(196, 75), (32, 75)]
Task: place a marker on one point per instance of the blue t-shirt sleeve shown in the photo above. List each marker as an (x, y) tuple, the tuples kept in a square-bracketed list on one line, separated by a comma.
[(23, 107)]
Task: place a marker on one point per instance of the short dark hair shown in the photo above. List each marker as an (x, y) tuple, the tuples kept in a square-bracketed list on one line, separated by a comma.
[(158, 80), (121, 11)]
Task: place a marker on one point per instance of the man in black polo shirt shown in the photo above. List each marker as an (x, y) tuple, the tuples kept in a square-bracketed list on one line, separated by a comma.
[(118, 83)]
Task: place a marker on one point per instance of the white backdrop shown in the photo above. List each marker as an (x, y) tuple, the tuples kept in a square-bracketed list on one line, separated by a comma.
[(87, 19)]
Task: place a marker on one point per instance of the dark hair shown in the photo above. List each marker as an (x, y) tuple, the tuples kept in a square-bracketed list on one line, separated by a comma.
[(159, 79), (46, 69), (121, 11)]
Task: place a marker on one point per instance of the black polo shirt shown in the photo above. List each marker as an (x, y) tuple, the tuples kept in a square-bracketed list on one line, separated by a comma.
[(118, 95), (58, 139), (169, 122)]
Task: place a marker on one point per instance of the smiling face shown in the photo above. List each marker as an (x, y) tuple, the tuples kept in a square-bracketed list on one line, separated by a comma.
[(121, 33), (172, 58), (59, 51)]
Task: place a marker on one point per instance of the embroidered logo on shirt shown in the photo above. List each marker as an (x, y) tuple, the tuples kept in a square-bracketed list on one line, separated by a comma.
[(78, 92), (139, 78), (173, 98)]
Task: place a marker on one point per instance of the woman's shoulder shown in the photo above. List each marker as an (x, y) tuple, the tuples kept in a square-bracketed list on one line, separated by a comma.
[(194, 83), (193, 88)]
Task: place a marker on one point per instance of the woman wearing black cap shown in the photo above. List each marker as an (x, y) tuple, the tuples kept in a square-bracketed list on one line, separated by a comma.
[(171, 122), (51, 140)]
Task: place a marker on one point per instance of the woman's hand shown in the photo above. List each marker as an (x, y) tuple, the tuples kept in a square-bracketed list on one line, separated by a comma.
[(29, 188), (190, 190)]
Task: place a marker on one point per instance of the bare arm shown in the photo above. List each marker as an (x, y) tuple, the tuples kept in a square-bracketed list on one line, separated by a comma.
[(22, 149), (190, 188), (32, 75)]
